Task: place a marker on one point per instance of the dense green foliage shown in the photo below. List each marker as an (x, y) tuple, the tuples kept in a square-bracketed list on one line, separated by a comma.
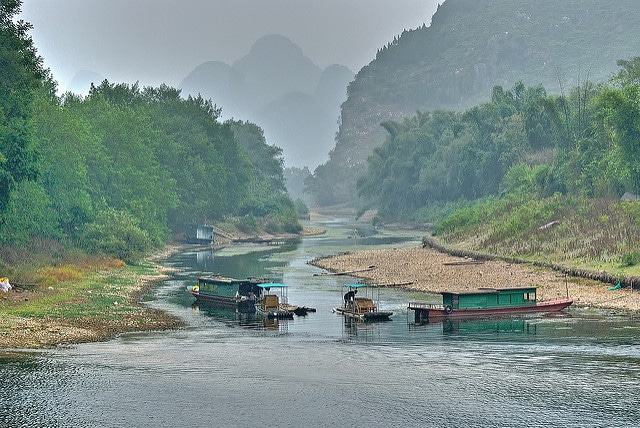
[(470, 47), (267, 197), (121, 170), (21, 75), (523, 142)]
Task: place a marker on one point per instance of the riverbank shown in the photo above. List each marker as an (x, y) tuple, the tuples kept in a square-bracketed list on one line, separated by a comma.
[(106, 301), (428, 270), (98, 306), (101, 303)]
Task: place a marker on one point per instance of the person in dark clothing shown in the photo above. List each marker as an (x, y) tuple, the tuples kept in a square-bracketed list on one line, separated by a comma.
[(349, 297)]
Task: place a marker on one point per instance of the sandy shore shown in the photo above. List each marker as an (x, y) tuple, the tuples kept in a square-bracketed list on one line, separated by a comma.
[(429, 270)]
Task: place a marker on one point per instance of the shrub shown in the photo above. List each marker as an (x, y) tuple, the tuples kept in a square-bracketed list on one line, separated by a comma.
[(247, 223), (53, 274), (301, 209), (116, 233), (630, 259)]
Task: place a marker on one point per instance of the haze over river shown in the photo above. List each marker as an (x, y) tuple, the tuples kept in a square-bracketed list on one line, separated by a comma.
[(579, 369)]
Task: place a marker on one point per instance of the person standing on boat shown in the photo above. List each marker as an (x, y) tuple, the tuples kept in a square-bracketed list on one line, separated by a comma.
[(349, 297)]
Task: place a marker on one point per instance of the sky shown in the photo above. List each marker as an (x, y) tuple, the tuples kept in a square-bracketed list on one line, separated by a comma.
[(162, 41)]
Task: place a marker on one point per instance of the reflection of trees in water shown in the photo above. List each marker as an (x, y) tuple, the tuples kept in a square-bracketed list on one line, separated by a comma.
[(251, 264)]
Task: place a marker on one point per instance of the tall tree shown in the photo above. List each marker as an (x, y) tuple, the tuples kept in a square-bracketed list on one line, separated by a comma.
[(620, 112), (21, 75)]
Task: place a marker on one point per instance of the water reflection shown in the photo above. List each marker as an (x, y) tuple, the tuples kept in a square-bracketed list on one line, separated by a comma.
[(251, 321), (488, 327), (358, 331), (243, 262)]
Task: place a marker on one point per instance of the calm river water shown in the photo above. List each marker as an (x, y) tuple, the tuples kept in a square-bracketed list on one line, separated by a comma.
[(581, 369)]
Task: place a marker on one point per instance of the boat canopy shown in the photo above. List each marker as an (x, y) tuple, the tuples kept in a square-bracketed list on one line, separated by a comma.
[(359, 285), (268, 285)]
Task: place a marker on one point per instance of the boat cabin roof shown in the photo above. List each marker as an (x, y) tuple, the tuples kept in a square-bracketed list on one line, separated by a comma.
[(268, 285), (491, 291), (359, 285)]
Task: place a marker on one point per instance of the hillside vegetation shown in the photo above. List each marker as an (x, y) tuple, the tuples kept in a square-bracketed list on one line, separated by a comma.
[(599, 235), (121, 171), (526, 174), (470, 47)]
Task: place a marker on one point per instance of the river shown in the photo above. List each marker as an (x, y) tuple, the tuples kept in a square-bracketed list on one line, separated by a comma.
[(579, 369)]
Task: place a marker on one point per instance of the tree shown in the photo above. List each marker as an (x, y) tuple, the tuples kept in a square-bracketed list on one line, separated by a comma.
[(620, 115), (267, 160), (126, 174), (65, 143), (21, 75), (630, 73)]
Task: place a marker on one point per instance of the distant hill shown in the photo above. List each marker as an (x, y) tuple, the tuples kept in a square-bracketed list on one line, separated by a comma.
[(471, 46), (277, 87)]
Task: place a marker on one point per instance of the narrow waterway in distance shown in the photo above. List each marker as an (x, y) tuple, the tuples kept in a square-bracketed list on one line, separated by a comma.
[(578, 369)]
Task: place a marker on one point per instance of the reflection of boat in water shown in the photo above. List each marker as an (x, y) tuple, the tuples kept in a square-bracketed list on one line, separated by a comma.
[(223, 292), (486, 303), (274, 302), (229, 316), (362, 308), (354, 329), (252, 321), (488, 327), (505, 328)]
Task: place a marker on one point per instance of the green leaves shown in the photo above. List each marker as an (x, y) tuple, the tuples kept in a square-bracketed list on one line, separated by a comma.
[(116, 233), (123, 168), (523, 142), (21, 74), (120, 170)]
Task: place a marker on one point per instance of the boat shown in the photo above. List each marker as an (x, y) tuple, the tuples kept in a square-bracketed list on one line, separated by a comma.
[(362, 308), (230, 293), (272, 305), (487, 303)]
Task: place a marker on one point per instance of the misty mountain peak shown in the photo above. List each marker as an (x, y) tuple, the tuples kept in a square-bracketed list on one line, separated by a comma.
[(284, 92), (276, 65), (276, 47)]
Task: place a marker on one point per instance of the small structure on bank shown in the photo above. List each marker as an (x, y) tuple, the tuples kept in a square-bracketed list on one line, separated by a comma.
[(200, 234)]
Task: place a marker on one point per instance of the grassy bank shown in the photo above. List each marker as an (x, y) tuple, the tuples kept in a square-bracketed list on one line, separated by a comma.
[(79, 303), (591, 234)]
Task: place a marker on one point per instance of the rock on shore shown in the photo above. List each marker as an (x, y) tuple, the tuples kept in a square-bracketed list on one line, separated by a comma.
[(428, 270)]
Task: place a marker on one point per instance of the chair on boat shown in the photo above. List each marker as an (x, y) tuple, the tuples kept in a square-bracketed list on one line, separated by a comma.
[(270, 302), (364, 305)]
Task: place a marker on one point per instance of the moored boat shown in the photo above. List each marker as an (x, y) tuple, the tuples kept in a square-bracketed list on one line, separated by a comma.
[(274, 301), (219, 291), (486, 302), (362, 308)]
